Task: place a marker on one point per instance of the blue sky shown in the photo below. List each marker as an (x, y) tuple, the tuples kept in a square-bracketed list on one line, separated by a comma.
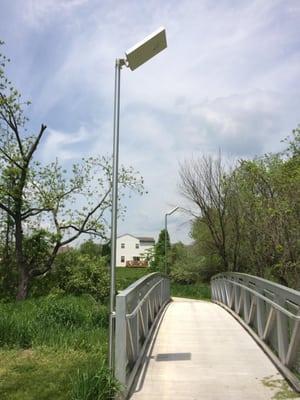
[(229, 80)]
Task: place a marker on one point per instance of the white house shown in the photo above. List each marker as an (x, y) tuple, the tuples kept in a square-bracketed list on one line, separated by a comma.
[(132, 248)]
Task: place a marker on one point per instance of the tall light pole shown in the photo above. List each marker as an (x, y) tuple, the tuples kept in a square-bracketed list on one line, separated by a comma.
[(134, 57), (166, 230)]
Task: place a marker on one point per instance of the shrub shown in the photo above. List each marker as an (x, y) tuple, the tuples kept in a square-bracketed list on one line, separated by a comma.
[(75, 273), (186, 270), (88, 278)]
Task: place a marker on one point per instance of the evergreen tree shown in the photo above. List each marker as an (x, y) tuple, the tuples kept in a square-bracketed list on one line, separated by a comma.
[(159, 251)]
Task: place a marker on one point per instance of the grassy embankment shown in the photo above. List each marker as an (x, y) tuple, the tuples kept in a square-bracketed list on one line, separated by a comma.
[(55, 347)]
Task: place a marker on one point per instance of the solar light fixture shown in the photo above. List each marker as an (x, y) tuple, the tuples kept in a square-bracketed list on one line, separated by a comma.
[(135, 56), (146, 49), (172, 211)]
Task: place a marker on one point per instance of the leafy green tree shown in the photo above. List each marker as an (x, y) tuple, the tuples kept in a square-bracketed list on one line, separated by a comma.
[(159, 258), (92, 249), (33, 195), (249, 215)]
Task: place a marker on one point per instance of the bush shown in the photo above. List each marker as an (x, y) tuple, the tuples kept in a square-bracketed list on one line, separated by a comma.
[(88, 278), (186, 270), (75, 273), (191, 268)]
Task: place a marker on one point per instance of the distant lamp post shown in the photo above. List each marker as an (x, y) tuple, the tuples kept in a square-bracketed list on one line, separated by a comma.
[(166, 230), (134, 57)]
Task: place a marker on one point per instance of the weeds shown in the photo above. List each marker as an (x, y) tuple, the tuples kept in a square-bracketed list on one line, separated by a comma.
[(69, 321), (91, 384)]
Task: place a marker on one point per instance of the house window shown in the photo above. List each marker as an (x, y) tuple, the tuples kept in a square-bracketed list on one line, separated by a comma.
[(136, 258), (137, 246), (122, 245), (122, 259)]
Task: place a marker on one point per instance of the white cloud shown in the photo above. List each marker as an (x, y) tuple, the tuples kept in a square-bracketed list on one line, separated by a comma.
[(62, 145), (228, 79), (38, 13)]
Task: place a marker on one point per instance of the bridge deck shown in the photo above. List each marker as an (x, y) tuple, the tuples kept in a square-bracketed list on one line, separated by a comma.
[(202, 352)]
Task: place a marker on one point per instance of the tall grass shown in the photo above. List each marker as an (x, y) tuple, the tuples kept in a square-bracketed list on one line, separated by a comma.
[(89, 384), (53, 322), (38, 333)]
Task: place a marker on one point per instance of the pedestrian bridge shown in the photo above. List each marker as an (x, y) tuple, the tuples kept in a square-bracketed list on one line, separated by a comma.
[(245, 344)]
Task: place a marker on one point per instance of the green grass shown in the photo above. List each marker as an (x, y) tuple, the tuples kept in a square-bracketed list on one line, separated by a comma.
[(55, 347), (48, 346), (52, 321), (40, 373), (126, 276), (199, 291)]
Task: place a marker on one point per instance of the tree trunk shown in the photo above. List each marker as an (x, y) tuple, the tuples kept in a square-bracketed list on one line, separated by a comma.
[(23, 286), (21, 263)]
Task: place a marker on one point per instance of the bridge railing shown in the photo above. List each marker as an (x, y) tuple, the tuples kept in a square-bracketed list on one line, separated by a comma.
[(271, 312), (137, 309)]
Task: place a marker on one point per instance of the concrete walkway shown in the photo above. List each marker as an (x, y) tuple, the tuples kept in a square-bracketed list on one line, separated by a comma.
[(201, 352)]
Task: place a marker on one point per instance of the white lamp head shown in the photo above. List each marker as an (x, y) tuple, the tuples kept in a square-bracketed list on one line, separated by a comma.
[(146, 49), (173, 210)]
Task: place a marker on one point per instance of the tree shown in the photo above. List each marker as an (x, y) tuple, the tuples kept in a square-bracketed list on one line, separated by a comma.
[(33, 196), (90, 248), (159, 258), (203, 182), (249, 216)]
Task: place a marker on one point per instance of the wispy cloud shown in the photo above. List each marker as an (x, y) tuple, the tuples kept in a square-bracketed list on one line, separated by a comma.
[(62, 145), (229, 80)]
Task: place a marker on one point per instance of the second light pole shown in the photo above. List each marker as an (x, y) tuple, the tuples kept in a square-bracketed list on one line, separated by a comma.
[(166, 230)]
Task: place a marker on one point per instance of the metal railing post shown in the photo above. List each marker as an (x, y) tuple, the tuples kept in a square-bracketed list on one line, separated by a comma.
[(121, 340)]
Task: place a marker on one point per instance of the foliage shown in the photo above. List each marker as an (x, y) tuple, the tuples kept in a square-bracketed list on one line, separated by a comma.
[(159, 259), (189, 266), (185, 269), (75, 273), (249, 215), (33, 195), (91, 249), (199, 291), (126, 276)]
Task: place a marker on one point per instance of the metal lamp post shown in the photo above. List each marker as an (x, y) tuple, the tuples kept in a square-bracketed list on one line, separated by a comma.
[(134, 57), (166, 229)]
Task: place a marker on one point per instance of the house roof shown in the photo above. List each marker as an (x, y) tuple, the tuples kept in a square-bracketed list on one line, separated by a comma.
[(140, 238), (146, 239)]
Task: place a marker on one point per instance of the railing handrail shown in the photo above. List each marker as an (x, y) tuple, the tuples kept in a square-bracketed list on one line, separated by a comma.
[(270, 321), (278, 289), (142, 301), (138, 308), (140, 282), (271, 302)]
